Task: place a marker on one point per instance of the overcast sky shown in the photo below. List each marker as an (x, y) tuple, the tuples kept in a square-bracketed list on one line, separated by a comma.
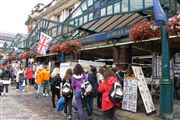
[(14, 13)]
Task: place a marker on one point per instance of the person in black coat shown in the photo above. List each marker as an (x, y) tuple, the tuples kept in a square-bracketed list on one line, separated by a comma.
[(92, 78), (6, 80), (55, 85)]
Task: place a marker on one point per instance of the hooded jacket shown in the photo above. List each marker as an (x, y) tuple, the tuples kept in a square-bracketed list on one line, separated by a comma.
[(105, 88), (76, 82), (29, 73)]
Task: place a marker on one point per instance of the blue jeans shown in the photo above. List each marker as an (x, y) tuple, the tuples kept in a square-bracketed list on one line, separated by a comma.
[(38, 90), (20, 86), (89, 105), (46, 86), (79, 105)]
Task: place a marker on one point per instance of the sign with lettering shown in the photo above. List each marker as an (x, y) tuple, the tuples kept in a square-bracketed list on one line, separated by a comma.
[(130, 95), (100, 37), (144, 90)]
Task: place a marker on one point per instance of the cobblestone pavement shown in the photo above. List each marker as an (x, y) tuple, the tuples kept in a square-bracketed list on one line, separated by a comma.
[(24, 106)]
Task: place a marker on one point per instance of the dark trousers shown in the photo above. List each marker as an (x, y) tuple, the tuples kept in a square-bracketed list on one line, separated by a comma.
[(5, 86), (53, 97), (17, 85), (68, 105), (99, 100), (109, 114)]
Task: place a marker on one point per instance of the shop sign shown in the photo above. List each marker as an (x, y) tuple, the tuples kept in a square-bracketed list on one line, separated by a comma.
[(100, 37)]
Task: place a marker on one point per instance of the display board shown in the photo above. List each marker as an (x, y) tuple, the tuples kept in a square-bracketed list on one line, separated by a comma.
[(130, 95), (65, 66), (87, 63), (144, 90)]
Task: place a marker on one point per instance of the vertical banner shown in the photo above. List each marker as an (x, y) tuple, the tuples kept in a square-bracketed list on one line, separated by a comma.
[(144, 90), (130, 95)]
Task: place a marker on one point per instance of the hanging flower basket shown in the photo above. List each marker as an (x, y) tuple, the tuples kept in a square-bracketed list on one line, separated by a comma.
[(66, 47), (28, 54), (55, 49), (174, 24), (143, 31), (71, 46)]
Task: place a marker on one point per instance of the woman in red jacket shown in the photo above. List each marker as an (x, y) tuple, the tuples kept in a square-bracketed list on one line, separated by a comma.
[(108, 107), (28, 75)]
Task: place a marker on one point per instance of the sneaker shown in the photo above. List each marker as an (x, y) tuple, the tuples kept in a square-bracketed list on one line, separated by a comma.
[(43, 94), (2, 94), (47, 94), (90, 117), (65, 114), (70, 117)]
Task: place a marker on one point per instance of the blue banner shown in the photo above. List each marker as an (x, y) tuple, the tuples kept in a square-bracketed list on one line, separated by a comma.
[(158, 12)]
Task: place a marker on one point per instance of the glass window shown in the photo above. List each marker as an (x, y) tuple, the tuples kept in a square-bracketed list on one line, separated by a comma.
[(77, 13), (90, 2), (109, 10), (84, 6), (97, 14), (71, 23), (97, 4), (117, 7), (124, 6), (85, 18), (76, 22), (103, 11), (80, 20), (90, 16)]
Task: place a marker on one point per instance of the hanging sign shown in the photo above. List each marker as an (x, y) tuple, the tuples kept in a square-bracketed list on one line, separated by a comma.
[(130, 95), (144, 90)]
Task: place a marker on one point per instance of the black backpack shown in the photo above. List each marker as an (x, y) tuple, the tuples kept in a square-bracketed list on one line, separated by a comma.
[(66, 89), (116, 93)]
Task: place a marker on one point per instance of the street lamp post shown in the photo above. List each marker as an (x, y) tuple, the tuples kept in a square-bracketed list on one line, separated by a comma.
[(166, 92)]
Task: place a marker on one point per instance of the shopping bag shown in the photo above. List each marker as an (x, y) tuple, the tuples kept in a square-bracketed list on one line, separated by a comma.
[(60, 105), (24, 83)]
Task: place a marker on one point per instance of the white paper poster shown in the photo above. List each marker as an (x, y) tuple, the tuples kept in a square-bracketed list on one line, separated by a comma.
[(144, 90), (64, 67), (130, 95), (86, 63)]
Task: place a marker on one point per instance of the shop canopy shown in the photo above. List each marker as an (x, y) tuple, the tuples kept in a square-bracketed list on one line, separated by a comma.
[(92, 17)]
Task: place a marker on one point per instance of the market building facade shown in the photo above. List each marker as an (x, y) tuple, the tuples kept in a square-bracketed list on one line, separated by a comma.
[(102, 27)]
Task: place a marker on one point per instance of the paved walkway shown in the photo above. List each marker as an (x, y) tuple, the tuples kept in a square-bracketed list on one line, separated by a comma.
[(24, 106)]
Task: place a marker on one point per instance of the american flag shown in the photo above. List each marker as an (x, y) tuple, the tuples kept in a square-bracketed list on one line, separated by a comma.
[(43, 43)]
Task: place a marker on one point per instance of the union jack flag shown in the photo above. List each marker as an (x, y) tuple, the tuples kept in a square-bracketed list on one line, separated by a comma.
[(43, 43)]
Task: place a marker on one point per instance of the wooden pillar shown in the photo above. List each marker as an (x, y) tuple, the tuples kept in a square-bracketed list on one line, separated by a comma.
[(122, 55)]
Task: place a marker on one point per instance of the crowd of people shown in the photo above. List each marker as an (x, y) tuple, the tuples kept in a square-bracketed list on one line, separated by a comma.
[(44, 81)]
